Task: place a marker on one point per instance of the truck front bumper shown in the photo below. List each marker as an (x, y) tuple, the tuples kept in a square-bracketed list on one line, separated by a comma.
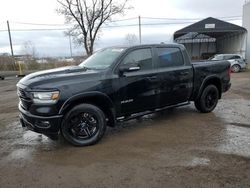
[(48, 126)]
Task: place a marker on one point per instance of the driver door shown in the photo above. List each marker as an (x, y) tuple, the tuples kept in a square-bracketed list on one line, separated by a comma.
[(136, 91)]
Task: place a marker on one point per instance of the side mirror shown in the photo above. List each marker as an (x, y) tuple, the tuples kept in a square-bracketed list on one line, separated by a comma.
[(130, 67)]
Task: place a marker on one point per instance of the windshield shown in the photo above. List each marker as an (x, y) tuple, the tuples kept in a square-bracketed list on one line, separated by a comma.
[(102, 59)]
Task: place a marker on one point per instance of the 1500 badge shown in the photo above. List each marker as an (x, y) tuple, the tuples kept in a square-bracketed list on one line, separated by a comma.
[(127, 101)]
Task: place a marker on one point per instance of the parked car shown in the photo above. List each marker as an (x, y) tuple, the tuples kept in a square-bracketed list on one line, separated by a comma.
[(117, 84), (237, 61)]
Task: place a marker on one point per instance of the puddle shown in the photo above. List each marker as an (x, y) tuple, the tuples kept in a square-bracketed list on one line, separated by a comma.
[(235, 140), (20, 154), (235, 137), (32, 138), (235, 111), (197, 161), (241, 125), (18, 143)]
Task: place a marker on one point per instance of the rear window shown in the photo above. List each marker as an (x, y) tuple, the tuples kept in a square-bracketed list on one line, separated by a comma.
[(169, 57), (236, 57)]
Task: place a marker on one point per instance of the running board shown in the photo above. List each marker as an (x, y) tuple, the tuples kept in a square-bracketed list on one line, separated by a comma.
[(133, 116)]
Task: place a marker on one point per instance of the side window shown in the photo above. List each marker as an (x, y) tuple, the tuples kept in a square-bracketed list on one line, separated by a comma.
[(141, 56), (218, 57), (237, 57), (169, 57), (228, 57)]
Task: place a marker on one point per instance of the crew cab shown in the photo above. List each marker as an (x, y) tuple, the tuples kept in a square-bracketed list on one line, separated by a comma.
[(117, 84)]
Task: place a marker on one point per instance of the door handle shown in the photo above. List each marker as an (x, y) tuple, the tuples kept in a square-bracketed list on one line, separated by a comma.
[(152, 78), (184, 73)]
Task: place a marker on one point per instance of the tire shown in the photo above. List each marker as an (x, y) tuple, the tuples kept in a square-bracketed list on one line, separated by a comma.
[(208, 99), (84, 125), (197, 105), (235, 68)]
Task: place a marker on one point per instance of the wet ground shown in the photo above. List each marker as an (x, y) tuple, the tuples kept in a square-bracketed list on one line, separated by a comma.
[(179, 148)]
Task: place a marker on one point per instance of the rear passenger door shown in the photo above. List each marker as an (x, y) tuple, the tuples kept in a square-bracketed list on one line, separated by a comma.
[(176, 78)]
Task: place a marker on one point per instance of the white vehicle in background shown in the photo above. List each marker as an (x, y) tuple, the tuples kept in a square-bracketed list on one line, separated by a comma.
[(237, 61)]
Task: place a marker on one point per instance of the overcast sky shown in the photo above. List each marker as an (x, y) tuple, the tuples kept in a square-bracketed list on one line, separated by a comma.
[(55, 43)]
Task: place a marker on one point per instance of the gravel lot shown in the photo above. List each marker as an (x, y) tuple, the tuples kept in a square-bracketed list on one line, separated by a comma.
[(179, 148)]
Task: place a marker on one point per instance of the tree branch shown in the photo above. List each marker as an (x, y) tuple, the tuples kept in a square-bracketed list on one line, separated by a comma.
[(88, 17)]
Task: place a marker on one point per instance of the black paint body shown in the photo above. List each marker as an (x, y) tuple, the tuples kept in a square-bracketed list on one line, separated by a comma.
[(118, 95)]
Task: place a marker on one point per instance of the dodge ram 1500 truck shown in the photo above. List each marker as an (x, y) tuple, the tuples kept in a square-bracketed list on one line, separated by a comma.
[(115, 84)]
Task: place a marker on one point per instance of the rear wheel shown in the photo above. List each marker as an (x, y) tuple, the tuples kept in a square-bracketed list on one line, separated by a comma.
[(208, 99), (235, 68), (197, 105), (84, 125)]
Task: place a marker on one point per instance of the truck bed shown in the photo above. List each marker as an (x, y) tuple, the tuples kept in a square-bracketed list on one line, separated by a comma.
[(216, 69)]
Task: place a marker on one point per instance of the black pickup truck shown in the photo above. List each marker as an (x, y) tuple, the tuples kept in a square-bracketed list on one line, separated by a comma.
[(117, 84)]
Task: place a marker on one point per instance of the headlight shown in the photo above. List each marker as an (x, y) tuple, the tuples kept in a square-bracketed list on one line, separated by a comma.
[(46, 97)]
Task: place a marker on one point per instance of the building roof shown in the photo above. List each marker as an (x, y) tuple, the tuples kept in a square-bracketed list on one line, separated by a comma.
[(210, 26)]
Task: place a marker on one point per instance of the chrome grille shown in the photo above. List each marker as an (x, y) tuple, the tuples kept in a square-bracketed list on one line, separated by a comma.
[(22, 94), (25, 100)]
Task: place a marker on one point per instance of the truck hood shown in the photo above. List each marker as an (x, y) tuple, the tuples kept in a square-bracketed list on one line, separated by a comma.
[(51, 78)]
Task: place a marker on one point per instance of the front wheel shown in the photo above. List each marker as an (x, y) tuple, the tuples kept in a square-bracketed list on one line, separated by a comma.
[(84, 125), (235, 68), (208, 99)]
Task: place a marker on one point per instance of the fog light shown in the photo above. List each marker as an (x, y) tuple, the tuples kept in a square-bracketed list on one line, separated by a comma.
[(43, 124)]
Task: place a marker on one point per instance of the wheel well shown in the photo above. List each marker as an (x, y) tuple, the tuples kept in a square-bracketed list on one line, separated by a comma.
[(216, 82), (100, 102)]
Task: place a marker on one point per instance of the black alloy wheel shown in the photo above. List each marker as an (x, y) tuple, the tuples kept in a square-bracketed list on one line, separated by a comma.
[(83, 125), (208, 99)]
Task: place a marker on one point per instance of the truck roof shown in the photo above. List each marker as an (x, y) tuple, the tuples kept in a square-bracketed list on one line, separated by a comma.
[(147, 45)]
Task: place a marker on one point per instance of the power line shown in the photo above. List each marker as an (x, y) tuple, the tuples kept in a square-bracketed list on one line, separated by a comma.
[(126, 19), (44, 24), (55, 29), (27, 23), (131, 25), (184, 21), (225, 17), (132, 18), (114, 26)]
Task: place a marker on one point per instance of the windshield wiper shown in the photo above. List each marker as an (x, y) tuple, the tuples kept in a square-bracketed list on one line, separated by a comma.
[(92, 68), (85, 68)]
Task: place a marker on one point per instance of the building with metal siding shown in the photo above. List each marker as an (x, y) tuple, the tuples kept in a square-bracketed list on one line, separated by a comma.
[(212, 36), (246, 24)]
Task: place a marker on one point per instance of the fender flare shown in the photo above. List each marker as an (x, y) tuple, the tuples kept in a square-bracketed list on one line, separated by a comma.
[(76, 97), (204, 83)]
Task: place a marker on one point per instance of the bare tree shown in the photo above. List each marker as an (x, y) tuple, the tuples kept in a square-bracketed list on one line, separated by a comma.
[(131, 39), (87, 16), (29, 49), (29, 56)]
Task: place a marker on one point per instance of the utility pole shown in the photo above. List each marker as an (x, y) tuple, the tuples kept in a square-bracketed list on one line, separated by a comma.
[(70, 47), (139, 29), (11, 48)]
